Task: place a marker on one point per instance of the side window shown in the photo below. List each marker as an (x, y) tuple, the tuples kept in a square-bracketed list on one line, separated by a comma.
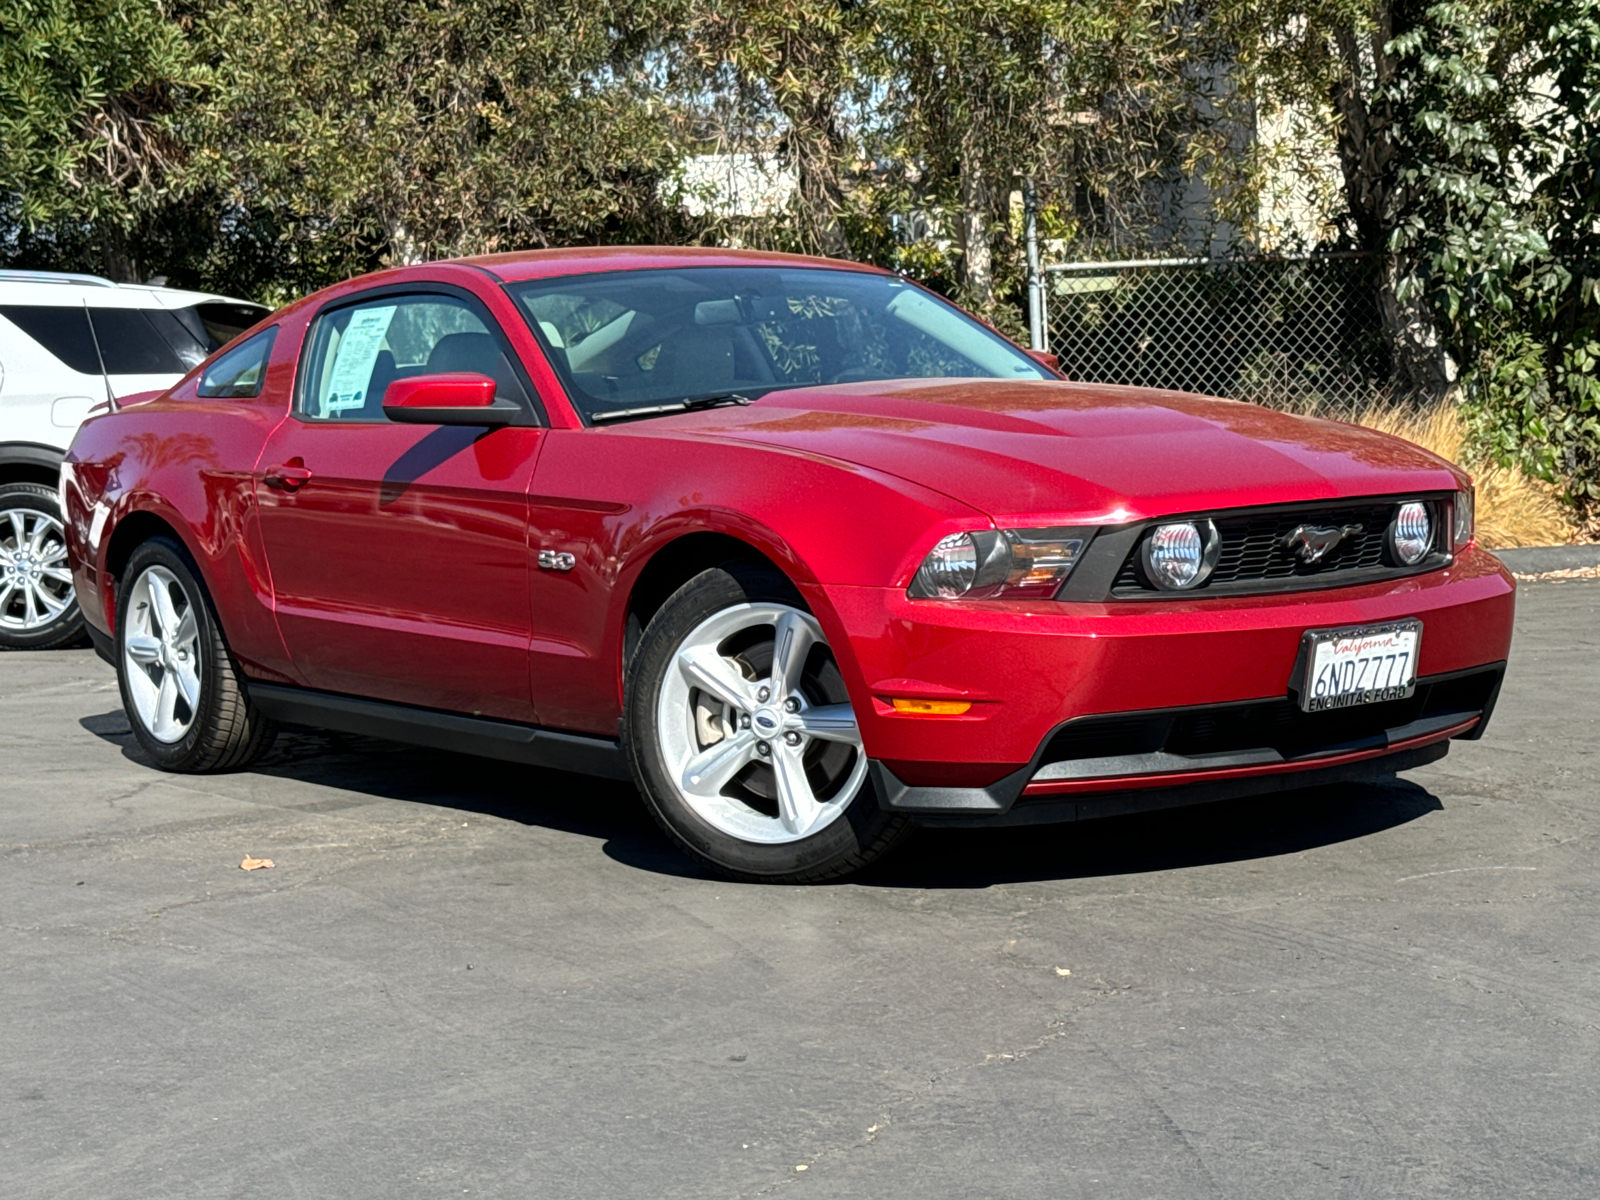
[(191, 351), (63, 331), (221, 321), (131, 345), (358, 351), (240, 372)]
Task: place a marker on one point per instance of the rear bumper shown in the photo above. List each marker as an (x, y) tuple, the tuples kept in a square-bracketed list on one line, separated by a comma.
[(1032, 671)]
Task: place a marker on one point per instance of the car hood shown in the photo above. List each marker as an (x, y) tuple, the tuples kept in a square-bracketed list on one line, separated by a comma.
[(1079, 451)]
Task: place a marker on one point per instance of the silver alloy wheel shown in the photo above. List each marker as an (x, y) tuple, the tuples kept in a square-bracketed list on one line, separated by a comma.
[(35, 583), (733, 734), (161, 654)]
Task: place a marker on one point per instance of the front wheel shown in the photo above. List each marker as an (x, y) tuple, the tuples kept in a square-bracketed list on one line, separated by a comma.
[(38, 610), (742, 738)]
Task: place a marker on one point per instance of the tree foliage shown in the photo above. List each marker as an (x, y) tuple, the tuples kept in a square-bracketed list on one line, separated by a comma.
[(1506, 244), (266, 147), (1467, 147), (87, 90), (1497, 155), (433, 129), (88, 95)]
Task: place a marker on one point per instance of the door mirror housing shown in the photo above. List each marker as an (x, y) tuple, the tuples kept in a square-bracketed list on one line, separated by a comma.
[(456, 398), (1045, 359)]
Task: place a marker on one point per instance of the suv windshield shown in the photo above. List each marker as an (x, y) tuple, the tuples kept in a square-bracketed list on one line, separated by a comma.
[(638, 339)]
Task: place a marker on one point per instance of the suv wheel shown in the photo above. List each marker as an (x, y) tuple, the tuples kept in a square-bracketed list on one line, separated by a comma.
[(183, 692), (742, 738), (38, 610)]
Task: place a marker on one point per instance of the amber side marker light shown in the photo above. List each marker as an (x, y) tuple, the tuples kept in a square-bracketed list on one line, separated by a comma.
[(931, 708)]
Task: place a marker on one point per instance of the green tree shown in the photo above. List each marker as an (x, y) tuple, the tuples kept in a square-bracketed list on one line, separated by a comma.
[(1467, 140), (774, 78), (1104, 101), (1335, 63), (403, 130), (1503, 238), (88, 140)]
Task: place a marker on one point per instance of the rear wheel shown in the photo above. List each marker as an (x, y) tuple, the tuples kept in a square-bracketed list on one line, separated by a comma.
[(184, 694), (38, 610), (742, 737)]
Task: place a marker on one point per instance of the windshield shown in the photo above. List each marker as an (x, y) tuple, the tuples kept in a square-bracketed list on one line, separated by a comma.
[(631, 339)]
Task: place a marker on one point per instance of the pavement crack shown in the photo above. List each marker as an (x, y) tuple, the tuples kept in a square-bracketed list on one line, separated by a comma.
[(799, 1170)]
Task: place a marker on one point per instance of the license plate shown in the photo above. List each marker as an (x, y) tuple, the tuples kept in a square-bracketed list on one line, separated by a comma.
[(1367, 664)]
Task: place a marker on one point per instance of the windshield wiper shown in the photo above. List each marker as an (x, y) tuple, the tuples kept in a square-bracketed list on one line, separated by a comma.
[(687, 404)]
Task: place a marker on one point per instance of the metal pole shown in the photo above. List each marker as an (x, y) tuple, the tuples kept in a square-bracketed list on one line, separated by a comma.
[(1030, 218)]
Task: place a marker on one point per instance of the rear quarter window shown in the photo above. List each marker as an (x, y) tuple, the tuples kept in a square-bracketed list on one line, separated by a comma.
[(241, 371)]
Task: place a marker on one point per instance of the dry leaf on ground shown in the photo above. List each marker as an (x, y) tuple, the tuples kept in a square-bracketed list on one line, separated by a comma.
[(255, 864)]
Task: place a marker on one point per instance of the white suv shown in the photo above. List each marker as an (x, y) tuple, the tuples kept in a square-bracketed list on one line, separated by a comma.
[(67, 344)]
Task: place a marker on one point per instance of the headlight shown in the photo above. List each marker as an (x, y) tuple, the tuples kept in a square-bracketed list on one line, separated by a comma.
[(988, 563), (1412, 533), (1464, 526), (1182, 555)]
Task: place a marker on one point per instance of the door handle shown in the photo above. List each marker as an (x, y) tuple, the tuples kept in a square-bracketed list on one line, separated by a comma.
[(287, 477)]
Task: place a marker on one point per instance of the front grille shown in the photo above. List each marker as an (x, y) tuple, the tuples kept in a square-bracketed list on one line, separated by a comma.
[(1254, 556), (1276, 724)]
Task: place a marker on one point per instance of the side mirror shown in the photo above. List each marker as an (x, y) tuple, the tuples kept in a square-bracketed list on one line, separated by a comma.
[(1045, 359), (457, 398)]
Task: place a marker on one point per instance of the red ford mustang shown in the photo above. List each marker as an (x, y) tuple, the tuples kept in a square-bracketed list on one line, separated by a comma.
[(804, 551)]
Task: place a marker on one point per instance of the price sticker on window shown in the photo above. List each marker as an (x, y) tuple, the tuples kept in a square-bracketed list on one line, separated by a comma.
[(353, 361)]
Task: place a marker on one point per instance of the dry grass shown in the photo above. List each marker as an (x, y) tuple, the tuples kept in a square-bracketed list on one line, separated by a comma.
[(1513, 509)]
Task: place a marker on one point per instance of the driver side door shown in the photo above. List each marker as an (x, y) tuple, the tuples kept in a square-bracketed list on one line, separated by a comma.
[(398, 552)]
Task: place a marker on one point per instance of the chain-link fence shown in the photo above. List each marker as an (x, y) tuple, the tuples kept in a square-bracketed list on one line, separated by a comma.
[(1303, 334)]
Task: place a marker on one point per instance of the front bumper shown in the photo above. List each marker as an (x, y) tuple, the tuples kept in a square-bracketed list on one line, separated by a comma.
[(1032, 671)]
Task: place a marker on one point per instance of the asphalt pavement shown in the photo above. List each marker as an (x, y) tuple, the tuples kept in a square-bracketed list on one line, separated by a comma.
[(462, 978)]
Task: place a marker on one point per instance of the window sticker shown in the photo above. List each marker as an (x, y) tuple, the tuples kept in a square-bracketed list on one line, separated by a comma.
[(353, 361)]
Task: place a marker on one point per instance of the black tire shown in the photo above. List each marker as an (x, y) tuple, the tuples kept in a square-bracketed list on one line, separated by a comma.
[(226, 732), (862, 832), (66, 628)]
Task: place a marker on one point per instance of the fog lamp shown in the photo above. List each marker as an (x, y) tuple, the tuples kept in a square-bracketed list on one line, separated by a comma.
[(1181, 556), (1412, 533)]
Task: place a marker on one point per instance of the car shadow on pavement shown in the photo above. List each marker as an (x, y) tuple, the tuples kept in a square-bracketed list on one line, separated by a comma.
[(1254, 827), (604, 810), (611, 812)]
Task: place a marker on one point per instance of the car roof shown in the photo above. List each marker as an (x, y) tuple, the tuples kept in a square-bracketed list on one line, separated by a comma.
[(517, 266), (53, 288)]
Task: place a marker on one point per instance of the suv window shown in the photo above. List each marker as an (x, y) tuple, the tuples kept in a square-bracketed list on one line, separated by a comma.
[(191, 350), (359, 350), (218, 322), (241, 371), (133, 341), (62, 330), (132, 344)]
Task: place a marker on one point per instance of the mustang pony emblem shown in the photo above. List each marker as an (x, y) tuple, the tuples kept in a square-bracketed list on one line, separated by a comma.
[(1312, 542)]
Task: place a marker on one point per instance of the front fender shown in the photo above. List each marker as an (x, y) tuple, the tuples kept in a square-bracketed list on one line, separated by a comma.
[(615, 498)]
